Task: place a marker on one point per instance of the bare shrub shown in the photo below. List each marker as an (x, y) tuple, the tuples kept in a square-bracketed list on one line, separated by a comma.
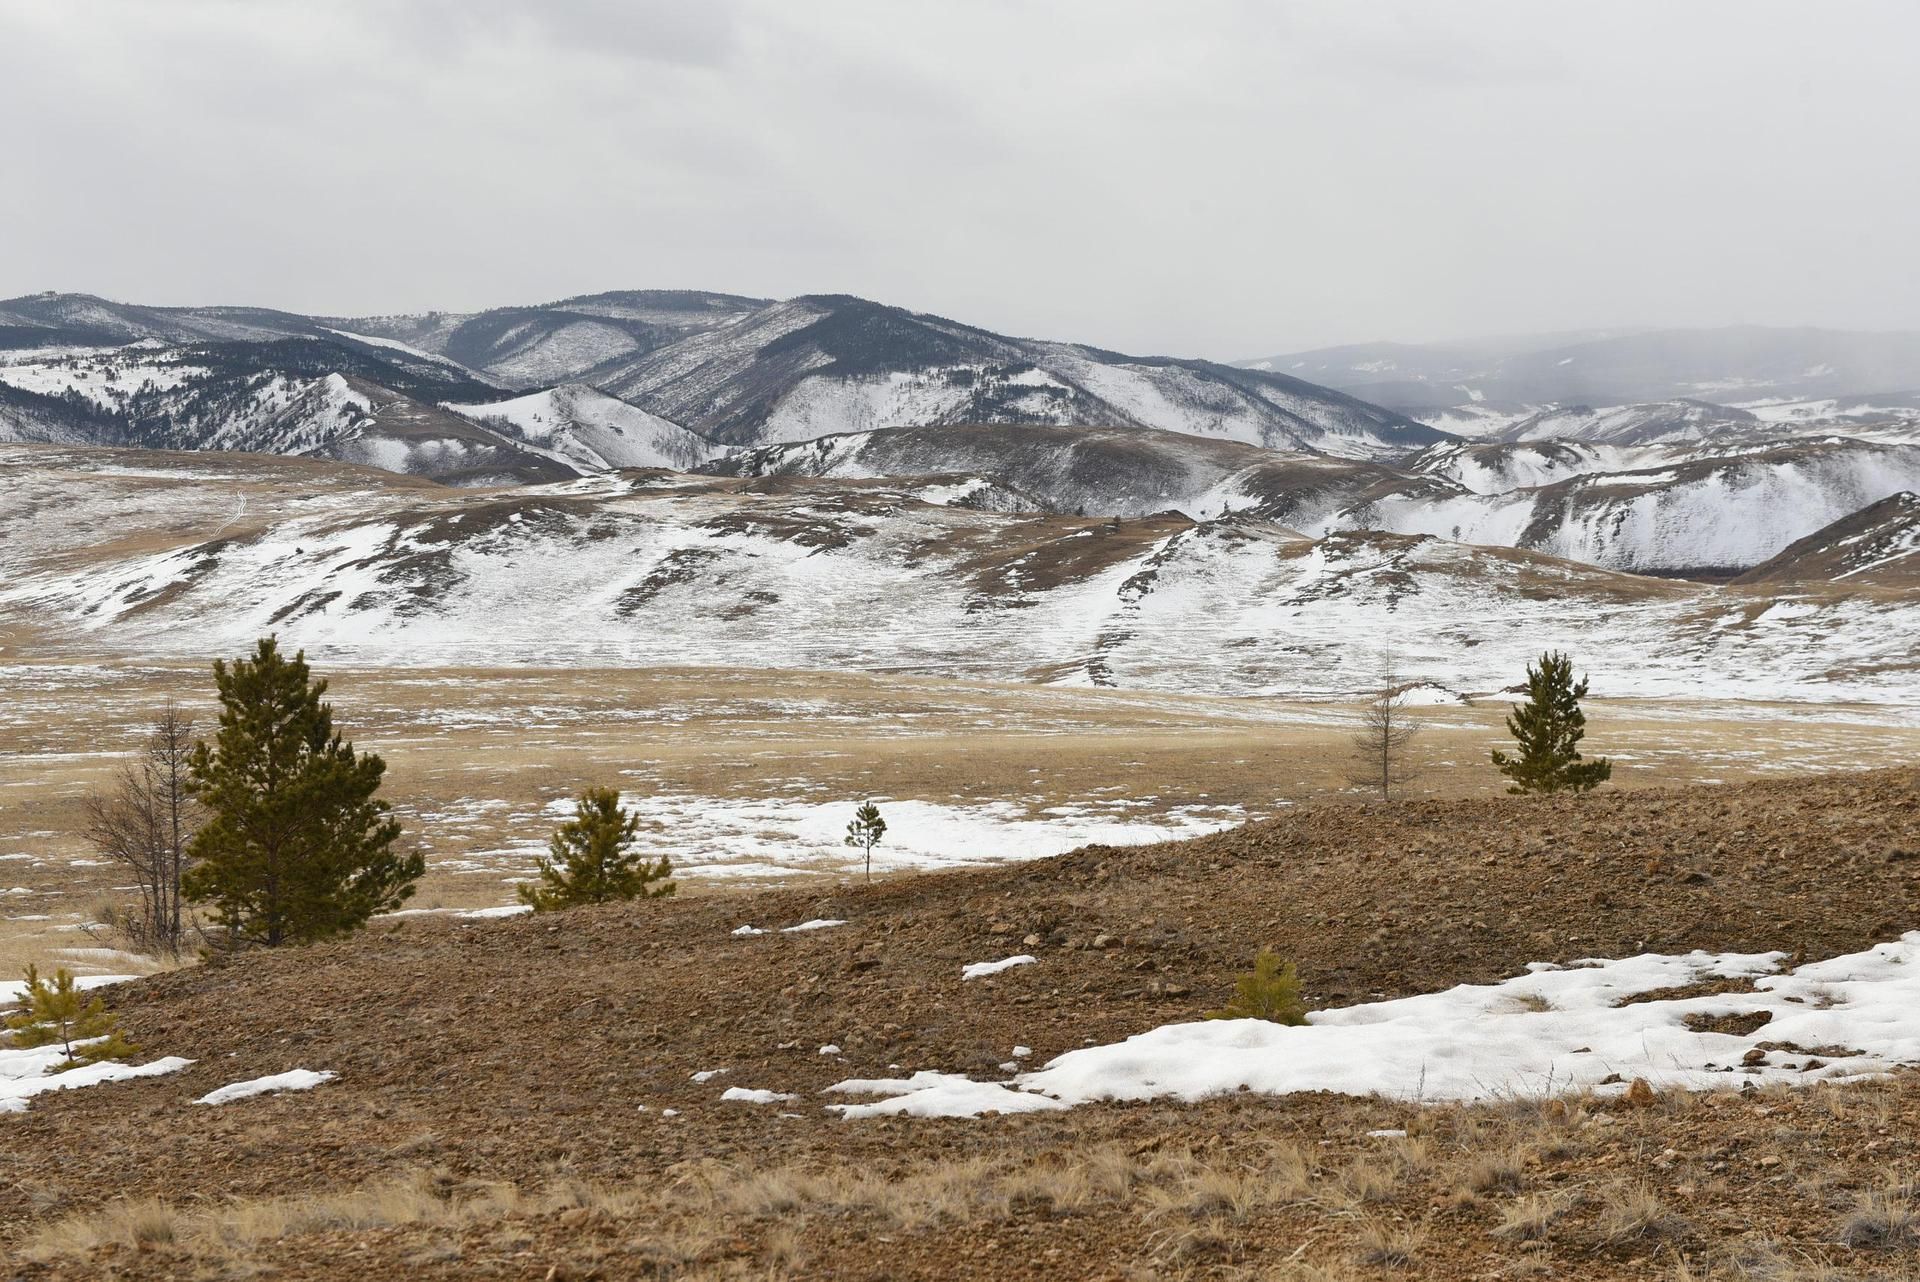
[(143, 823), (1382, 758)]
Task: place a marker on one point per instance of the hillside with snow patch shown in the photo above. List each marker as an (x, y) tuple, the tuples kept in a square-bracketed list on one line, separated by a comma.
[(591, 431), (217, 549), (1709, 515), (1878, 545), (298, 398)]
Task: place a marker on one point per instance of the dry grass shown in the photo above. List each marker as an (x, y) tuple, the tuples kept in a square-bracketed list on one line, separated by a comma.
[(1216, 1211), (1363, 1182), (1204, 1200), (1503, 1171), (455, 734), (1390, 1245), (1635, 1213), (1528, 1219), (1884, 1218)]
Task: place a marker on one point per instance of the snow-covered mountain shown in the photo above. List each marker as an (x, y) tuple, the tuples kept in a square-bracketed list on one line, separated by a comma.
[(1648, 423), (1495, 468), (1674, 509), (559, 342), (1715, 514), (744, 372), (296, 397), (591, 431), (214, 550), (1740, 363), (819, 365)]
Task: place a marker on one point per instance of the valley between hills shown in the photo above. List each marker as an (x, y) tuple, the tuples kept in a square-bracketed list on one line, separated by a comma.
[(1096, 632)]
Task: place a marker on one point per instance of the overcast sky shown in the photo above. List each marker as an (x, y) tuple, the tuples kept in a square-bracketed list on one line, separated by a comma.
[(1226, 178)]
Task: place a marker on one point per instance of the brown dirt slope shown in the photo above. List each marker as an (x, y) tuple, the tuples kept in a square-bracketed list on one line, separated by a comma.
[(538, 1049)]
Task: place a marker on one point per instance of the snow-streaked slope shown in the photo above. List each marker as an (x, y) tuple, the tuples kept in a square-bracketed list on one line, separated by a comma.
[(1098, 471), (1718, 513), (211, 551), (1655, 423), (814, 366), (561, 341), (262, 398), (1495, 468), (592, 431), (1879, 545)]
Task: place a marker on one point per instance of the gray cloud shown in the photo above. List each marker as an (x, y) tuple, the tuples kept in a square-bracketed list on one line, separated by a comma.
[(1223, 177)]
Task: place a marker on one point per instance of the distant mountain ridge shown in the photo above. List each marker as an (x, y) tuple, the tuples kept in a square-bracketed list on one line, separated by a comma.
[(744, 371), (1732, 364)]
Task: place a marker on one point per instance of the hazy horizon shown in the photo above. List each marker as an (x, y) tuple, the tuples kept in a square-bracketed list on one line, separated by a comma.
[(1249, 180)]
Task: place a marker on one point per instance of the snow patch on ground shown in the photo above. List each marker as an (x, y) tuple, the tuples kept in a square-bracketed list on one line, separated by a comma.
[(1552, 1030), (979, 970), (758, 836), (26, 1073), (929, 1094), (297, 1079), (746, 1095)]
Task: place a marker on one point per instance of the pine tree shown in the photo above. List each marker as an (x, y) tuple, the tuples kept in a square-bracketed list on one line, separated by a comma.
[(1271, 992), (295, 846), (591, 859), (1548, 727), (55, 1011), (865, 831)]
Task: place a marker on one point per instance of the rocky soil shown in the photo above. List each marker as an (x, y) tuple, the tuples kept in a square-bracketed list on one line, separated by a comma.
[(558, 1052)]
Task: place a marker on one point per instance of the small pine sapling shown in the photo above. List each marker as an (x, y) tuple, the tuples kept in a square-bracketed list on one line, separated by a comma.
[(1271, 992), (1548, 728), (865, 832), (56, 1012), (591, 859)]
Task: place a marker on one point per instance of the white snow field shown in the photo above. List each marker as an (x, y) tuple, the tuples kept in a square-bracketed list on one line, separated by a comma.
[(1552, 1030), (296, 1079), (727, 837)]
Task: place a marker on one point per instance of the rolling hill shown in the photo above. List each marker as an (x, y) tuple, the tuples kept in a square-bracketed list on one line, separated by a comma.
[(301, 396), (1878, 545), (208, 551)]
